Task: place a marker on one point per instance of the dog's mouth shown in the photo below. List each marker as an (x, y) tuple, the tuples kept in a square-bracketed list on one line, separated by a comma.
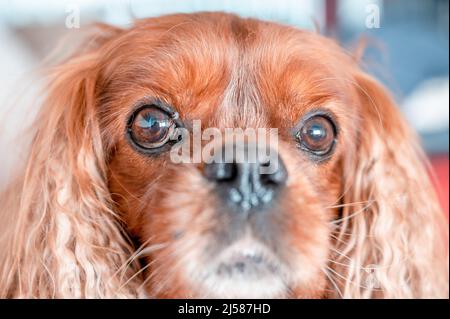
[(246, 269), (248, 262)]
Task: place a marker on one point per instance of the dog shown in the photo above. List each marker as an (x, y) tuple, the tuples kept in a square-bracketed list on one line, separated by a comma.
[(101, 209)]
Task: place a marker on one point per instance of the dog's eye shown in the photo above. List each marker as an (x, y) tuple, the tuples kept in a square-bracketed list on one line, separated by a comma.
[(151, 127), (317, 135)]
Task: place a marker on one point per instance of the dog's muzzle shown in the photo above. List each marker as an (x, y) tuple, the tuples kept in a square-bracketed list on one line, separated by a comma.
[(247, 184)]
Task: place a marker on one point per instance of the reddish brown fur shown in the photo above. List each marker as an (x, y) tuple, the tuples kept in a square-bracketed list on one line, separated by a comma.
[(280, 74), (195, 84)]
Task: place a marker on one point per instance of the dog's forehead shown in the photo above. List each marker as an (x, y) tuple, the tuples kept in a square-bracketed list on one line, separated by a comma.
[(227, 71)]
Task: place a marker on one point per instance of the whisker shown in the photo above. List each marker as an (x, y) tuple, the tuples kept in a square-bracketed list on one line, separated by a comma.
[(338, 239), (349, 266), (143, 252), (338, 263), (340, 253), (351, 204), (148, 250), (131, 258), (345, 279), (173, 270), (135, 275), (351, 215), (332, 282), (153, 273)]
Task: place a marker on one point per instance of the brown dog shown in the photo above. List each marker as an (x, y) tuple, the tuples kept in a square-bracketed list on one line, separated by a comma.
[(348, 212)]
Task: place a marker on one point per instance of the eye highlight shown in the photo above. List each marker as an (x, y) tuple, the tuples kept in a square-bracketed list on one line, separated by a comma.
[(317, 135), (151, 127)]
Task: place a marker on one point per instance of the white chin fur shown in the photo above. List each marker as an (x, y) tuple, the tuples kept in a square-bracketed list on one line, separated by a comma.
[(242, 289), (260, 279)]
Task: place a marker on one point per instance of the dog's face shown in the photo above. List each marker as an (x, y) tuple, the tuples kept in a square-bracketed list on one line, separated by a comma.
[(227, 230), (325, 184), (273, 239)]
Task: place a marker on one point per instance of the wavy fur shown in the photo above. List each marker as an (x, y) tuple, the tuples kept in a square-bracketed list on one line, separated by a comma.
[(62, 236)]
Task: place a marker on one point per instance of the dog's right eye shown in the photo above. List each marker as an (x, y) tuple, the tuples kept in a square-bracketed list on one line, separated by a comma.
[(150, 127), (317, 135)]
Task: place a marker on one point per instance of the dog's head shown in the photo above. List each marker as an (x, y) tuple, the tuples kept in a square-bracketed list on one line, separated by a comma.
[(342, 189), (227, 228)]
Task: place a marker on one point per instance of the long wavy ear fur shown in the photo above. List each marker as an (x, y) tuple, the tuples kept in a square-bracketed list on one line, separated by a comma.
[(391, 240), (61, 237)]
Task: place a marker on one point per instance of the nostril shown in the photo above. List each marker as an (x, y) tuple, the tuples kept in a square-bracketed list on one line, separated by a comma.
[(275, 176), (221, 172), (265, 163), (265, 177)]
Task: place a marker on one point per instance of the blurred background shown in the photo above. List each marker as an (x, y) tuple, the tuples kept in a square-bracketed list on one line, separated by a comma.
[(408, 50)]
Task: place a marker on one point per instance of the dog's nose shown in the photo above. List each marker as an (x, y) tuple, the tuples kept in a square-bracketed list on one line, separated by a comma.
[(248, 185)]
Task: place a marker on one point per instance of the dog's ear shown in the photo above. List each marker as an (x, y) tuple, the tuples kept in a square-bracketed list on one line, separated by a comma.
[(392, 232), (65, 240)]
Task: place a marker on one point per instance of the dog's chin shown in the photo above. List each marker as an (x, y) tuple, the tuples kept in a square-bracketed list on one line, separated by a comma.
[(246, 269)]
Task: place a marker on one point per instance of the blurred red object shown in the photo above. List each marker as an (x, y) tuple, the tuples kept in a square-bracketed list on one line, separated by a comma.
[(440, 165)]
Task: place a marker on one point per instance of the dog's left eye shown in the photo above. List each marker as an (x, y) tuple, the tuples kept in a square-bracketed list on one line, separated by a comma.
[(317, 135), (151, 127)]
